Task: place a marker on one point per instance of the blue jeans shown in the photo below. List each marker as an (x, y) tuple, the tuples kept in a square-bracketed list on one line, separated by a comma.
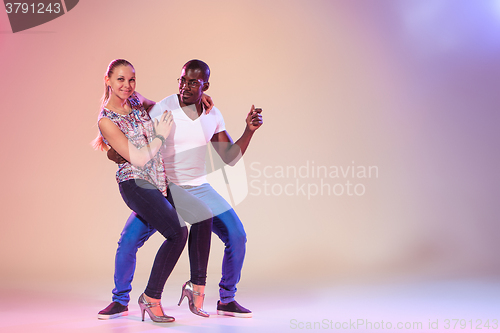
[(157, 212), (226, 225)]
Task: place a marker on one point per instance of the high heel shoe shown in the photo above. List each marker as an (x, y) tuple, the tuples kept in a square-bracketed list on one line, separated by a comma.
[(188, 291), (146, 306)]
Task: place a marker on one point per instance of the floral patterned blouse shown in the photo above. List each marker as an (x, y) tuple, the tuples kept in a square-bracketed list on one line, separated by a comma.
[(139, 130)]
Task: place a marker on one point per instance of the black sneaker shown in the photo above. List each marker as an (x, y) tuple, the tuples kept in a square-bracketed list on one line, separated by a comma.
[(113, 310), (233, 309)]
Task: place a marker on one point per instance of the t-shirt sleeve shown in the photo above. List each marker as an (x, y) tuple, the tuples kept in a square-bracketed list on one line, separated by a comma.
[(160, 107), (157, 110), (221, 126)]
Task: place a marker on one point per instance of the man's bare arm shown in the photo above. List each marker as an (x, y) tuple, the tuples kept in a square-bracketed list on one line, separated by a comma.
[(115, 157), (231, 152)]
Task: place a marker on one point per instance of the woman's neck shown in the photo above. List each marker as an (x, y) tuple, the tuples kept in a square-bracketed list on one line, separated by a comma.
[(118, 105)]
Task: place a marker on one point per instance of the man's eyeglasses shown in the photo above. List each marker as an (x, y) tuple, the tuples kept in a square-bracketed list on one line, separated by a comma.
[(191, 84)]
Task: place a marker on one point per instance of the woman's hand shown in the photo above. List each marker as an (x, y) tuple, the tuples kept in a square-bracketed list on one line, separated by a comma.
[(122, 145), (164, 126), (207, 101)]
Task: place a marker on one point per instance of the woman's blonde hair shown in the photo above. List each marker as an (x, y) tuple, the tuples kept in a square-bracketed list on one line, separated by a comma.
[(98, 143)]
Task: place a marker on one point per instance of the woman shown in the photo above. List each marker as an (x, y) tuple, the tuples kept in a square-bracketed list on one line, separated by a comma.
[(125, 125)]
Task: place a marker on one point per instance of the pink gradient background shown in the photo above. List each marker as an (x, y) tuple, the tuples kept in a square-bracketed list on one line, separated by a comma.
[(408, 86)]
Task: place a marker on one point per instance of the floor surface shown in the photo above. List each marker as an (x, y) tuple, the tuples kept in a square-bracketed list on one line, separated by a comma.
[(445, 306)]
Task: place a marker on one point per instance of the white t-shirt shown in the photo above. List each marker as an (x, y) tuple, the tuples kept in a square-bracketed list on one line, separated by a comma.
[(186, 146)]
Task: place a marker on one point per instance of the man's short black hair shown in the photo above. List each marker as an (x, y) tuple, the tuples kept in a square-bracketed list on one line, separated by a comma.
[(198, 64)]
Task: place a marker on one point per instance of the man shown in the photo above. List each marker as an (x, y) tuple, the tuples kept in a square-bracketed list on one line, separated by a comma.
[(184, 155)]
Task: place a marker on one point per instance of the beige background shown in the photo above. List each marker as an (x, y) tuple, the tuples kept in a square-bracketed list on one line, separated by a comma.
[(410, 87)]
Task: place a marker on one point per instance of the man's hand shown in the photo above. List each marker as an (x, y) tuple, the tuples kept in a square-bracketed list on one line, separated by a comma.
[(254, 118), (115, 157)]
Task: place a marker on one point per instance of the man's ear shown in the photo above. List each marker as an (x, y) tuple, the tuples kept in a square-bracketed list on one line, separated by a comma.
[(206, 85)]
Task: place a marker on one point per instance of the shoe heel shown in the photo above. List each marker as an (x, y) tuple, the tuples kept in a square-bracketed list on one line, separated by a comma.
[(182, 298), (146, 306), (143, 309), (142, 312), (188, 291)]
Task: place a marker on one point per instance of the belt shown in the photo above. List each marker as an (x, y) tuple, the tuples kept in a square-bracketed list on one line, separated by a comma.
[(187, 187)]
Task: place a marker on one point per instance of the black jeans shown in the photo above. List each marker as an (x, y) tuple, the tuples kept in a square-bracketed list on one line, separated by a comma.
[(160, 212)]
